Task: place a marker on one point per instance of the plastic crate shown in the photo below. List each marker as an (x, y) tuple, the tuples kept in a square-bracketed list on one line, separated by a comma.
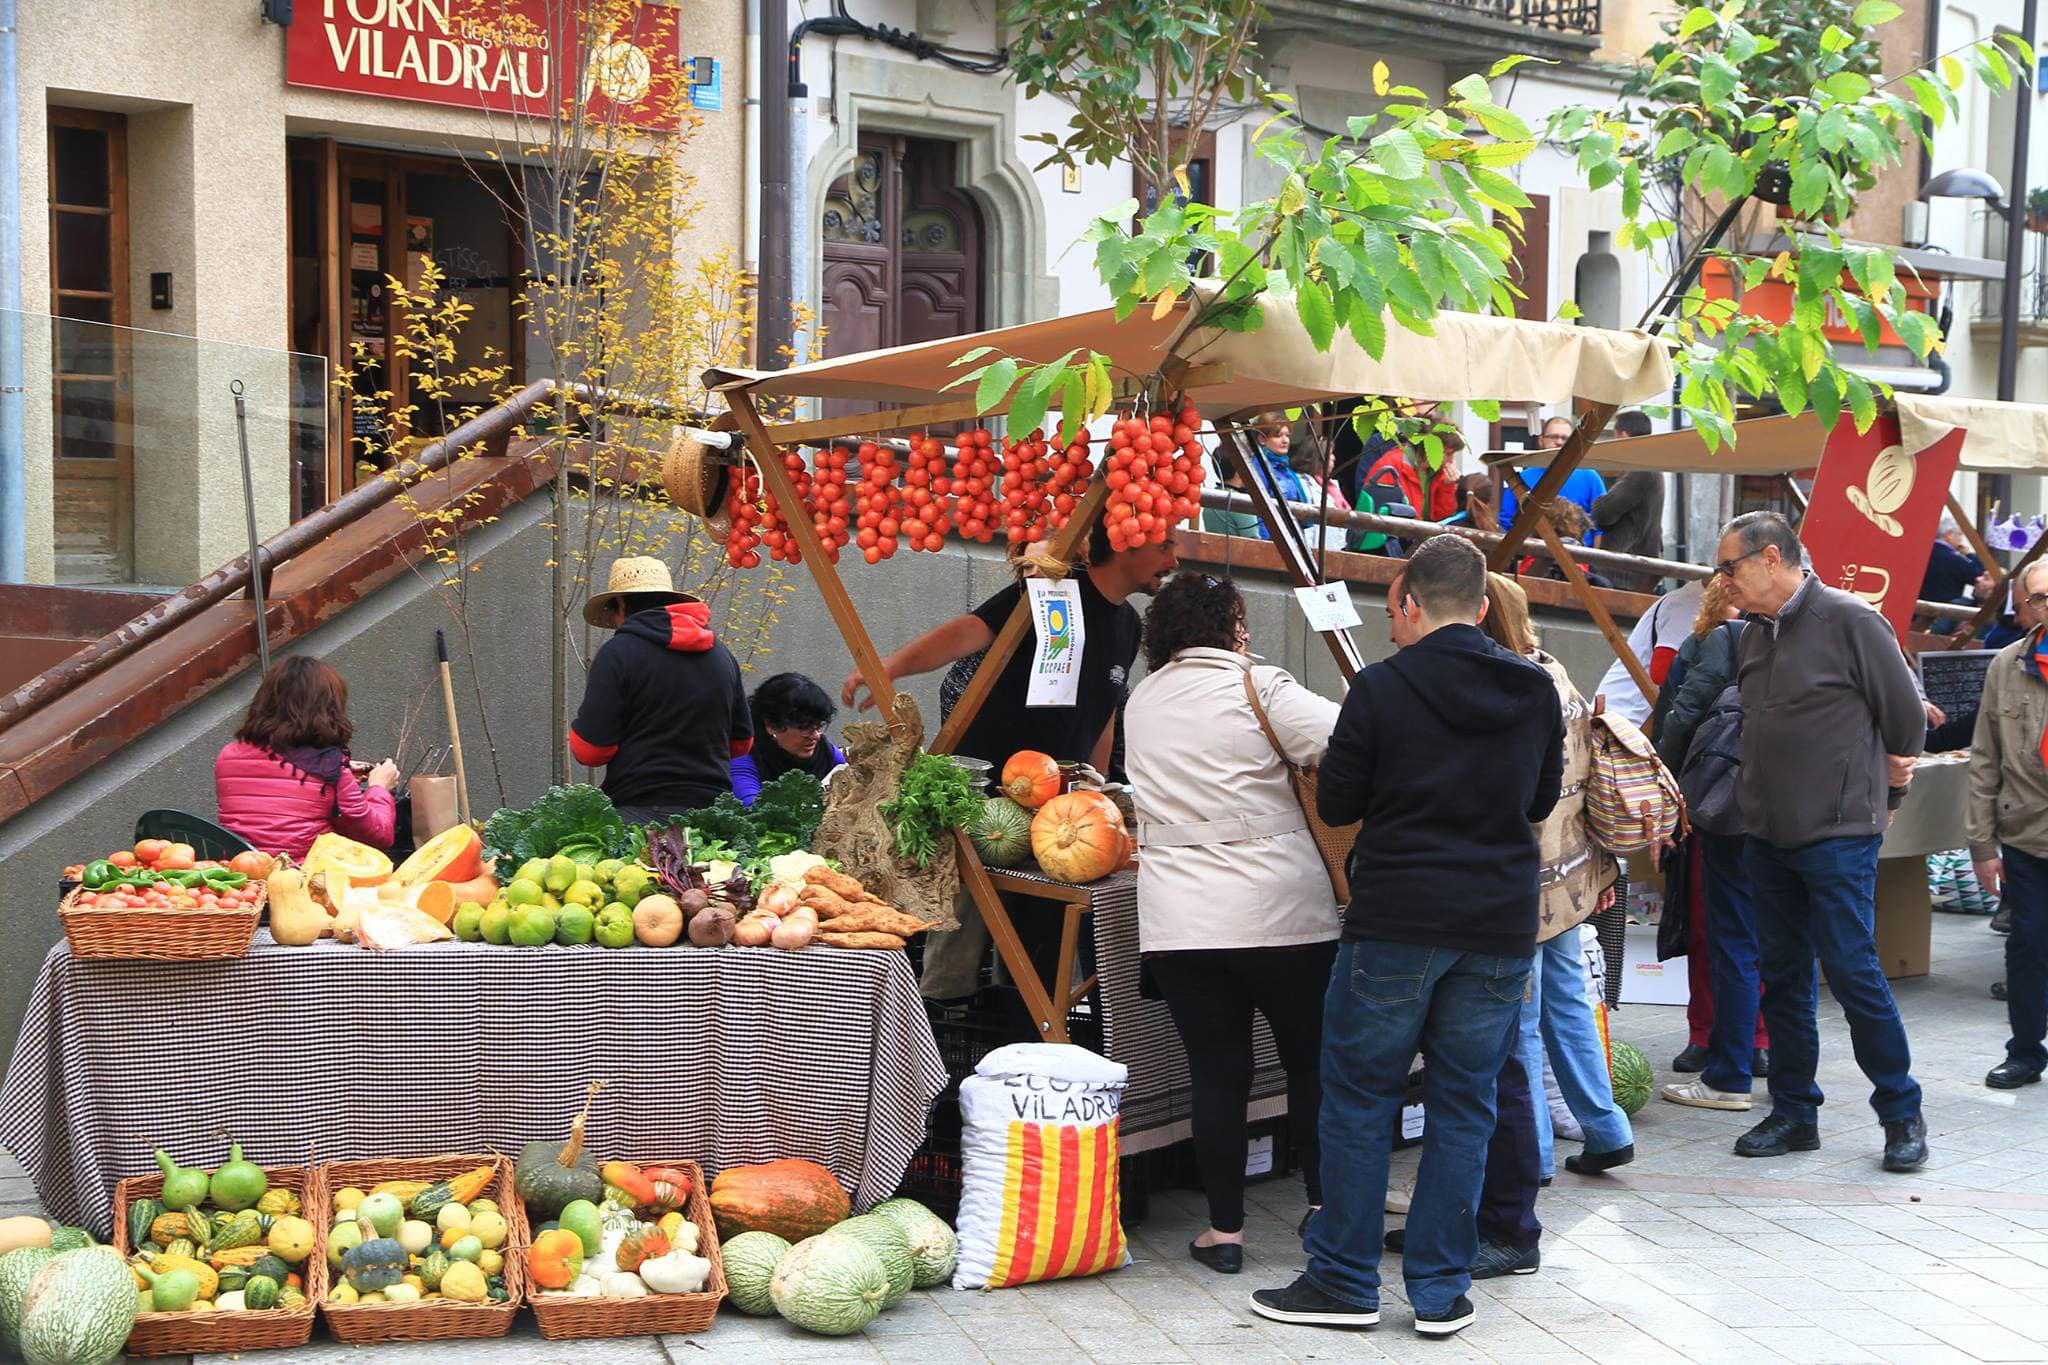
[(1269, 1143), (933, 1176)]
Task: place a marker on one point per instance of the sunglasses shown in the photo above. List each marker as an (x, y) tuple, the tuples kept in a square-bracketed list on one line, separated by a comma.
[(1726, 568)]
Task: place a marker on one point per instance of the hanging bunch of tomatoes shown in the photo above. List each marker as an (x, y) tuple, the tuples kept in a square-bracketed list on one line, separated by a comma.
[(879, 502), (974, 486), (1155, 477)]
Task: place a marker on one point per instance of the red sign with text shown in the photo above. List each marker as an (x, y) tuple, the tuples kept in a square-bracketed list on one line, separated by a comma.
[(505, 56), (1871, 519)]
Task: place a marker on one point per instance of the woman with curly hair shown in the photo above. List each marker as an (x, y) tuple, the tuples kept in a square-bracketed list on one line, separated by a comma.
[(1235, 908), (285, 779)]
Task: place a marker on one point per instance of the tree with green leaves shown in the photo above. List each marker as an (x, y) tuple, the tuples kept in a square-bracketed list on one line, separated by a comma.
[(1144, 77), (1412, 212)]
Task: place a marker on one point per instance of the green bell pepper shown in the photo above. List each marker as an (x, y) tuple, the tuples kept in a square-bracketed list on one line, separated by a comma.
[(98, 874)]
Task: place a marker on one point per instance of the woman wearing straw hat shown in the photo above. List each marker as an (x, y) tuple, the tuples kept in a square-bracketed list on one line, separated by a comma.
[(664, 712)]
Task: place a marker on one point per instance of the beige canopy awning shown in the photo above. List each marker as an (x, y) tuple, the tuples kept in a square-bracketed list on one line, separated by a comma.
[(1999, 438), (1469, 357)]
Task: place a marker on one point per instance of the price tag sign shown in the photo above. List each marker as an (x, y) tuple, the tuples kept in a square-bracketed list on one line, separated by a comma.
[(1056, 622), (1327, 607)]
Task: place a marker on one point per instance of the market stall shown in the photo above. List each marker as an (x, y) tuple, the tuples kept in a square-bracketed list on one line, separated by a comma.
[(468, 1047)]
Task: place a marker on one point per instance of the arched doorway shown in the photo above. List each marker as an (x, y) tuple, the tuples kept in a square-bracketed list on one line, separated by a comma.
[(902, 259)]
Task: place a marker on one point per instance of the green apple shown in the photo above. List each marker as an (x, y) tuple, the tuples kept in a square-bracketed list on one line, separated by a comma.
[(575, 925), (562, 874), (532, 926), (632, 882), (532, 870), (585, 893), (524, 892), (608, 870), (496, 925)]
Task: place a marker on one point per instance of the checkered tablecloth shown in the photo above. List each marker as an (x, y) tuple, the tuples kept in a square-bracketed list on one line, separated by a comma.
[(333, 1052), (1158, 1106)]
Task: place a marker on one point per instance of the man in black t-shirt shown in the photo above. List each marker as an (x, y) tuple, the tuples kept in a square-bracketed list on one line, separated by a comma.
[(1004, 725), (1109, 646)]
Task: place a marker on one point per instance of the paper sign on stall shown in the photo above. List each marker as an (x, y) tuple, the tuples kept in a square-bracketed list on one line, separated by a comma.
[(1056, 620), (1327, 607)]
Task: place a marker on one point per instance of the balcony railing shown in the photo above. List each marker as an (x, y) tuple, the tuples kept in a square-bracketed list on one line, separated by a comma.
[(1562, 16)]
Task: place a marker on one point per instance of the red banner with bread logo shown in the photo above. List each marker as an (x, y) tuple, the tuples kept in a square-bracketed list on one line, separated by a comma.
[(1871, 519), (504, 56)]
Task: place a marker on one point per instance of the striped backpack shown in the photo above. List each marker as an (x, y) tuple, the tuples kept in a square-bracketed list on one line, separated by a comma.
[(1632, 800)]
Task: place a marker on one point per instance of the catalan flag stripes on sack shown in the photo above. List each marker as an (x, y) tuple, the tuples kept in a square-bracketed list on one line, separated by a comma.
[(1039, 1196)]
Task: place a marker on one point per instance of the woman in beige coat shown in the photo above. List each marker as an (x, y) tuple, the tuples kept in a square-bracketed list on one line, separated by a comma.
[(1235, 908)]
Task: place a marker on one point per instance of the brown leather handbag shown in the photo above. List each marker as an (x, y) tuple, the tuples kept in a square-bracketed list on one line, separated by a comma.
[(1332, 841)]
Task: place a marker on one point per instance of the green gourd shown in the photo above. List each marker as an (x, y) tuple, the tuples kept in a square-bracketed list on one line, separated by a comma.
[(377, 1264), (549, 1176), (79, 1309), (934, 1250), (17, 1269), (750, 1261), (71, 1239), (261, 1292), (232, 1277), (170, 1291), (272, 1265), (830, 1285), (141, 1214), (431, 1268), (182, 1185), (238, 1184)]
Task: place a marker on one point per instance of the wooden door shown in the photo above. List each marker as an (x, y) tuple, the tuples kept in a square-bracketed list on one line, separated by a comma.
[(93, 476), (902, 249)]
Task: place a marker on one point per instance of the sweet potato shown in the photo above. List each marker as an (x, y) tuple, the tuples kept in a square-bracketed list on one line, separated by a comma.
[(829, 904), (861, 940), (839, 884), (879, 920)]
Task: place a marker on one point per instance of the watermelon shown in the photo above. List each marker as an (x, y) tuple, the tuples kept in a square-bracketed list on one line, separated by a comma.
[(833, 1286), (17, 1268), (79, 1309), (750, 1261), (71, 1239), (1630, 1072), (933, 1248), (1002, 832), (889, 1243)]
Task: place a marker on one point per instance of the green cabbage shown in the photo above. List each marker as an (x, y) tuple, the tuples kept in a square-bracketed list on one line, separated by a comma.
[(574, 818)]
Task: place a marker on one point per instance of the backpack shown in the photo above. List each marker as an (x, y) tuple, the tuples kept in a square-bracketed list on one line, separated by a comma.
[(1632, 801), (1713, 762)]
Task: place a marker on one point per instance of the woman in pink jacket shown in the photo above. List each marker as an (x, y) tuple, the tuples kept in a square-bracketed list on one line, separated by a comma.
[(285, 779)]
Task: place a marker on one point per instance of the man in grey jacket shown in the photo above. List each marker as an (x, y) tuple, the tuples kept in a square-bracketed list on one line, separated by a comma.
[(1831, 723), (2008, 823)]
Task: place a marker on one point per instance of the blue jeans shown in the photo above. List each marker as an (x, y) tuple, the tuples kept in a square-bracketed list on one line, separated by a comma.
[(1821, 900), (2026, 957), (1731, 960), (1387, 1001), (1558, 1016)]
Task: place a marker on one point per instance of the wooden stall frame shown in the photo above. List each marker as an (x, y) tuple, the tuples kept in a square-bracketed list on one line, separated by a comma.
[(765, 444)]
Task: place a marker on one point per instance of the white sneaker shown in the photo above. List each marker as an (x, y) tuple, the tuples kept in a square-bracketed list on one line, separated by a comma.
[(1397, 1200), (1700, 1095)]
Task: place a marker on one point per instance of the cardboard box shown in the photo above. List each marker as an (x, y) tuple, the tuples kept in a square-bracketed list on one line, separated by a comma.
[(1905, 919), (1645, 980)]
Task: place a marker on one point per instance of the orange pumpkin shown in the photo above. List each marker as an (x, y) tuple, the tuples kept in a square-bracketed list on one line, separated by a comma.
[(1031, 778), (556, 1258), (1079, 837)]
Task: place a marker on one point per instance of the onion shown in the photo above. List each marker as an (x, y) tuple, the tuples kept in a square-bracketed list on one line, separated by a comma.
[(755, 930)]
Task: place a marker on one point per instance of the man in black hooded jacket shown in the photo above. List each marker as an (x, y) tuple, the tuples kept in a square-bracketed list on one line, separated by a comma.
[(1449, 752)]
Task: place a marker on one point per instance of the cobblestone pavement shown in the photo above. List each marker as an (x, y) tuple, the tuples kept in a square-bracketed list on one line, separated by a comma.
[(1690, 1254)]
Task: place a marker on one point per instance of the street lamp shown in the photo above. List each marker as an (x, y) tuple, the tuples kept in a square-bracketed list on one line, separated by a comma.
[(1967, 182)]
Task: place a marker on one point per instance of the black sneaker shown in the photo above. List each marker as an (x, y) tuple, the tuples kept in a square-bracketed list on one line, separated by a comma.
[(1452, 1320), (1905, 1144), (1694, 1058), (1496, 1259), (1776, 1136), (1302, 1302)]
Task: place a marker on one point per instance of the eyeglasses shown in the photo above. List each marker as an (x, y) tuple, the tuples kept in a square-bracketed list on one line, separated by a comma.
[(2037, 600), (804, 727), (1726, 567)]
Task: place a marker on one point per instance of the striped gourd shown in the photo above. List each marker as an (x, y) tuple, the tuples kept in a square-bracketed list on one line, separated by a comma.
[(244, 1229)]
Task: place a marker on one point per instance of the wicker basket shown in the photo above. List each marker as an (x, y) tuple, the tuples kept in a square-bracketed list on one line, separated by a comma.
[(362, 1324), (160, 935), (178, 1334), (563, 1318)]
